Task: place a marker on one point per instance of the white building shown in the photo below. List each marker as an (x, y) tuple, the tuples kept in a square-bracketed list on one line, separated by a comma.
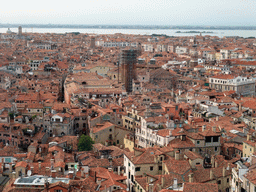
[(241, 85), (150, 134)]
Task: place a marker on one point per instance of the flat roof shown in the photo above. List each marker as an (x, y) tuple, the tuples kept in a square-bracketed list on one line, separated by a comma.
[(39, 180)]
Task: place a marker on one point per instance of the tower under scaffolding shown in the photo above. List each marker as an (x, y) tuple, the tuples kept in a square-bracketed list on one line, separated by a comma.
[(128, 60)]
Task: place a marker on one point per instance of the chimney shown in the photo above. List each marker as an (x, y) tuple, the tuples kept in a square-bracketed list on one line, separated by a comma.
[(10, 169), (162, 181), (118, 170), (110, 169), (175, 183), (151, 187), (224, 171), (212, 161), (53, 173), (183, 138), (177, 155), (70, 174), (191, 178), (39, 164), (98, 181), (217, 118), (211, 174), (214, 129), (203, 128), (228, 168), (240, 107), (13, 175)]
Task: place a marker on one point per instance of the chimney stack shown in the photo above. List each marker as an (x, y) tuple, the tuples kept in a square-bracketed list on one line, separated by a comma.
[(151, 187), (212, 161), (211, 174), (228, 168), (110, 169), (217, 118), (177, 155), (191, 178), (162, 181), (39, 164), (214, 129), (175, 183), (70, 174), (240, 107), (224, 171), (53, 173), (118, 170), (10, 169)]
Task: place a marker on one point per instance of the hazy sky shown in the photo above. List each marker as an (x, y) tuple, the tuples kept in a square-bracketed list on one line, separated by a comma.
[(162, 12)]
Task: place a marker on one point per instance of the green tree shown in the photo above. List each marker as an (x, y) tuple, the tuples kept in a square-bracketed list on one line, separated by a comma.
[(85, 143)]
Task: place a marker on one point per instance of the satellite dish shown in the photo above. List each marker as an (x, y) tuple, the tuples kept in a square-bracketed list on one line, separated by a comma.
[(29, 173)]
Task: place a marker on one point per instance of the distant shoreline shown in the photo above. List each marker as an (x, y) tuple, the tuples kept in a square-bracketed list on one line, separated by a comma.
[(150, 27), (194, 32)]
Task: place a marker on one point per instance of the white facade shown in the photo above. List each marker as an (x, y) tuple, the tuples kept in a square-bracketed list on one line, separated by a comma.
[(129, 171), (181, 50), (34, 64), (147, 47), (147, 136), (242, 85)]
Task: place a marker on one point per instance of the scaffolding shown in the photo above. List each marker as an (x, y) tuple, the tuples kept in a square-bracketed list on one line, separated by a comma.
[(128, 60)]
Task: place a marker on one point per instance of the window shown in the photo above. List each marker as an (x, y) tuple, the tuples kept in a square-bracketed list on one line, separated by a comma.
[(160, 168), (227, 180), (58, 190), (219, 182), (216, 148), (198, 142), (151, 168), (137, 168)]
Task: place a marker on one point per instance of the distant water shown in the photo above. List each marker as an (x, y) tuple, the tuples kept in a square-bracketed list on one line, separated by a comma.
[(169, 32)]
